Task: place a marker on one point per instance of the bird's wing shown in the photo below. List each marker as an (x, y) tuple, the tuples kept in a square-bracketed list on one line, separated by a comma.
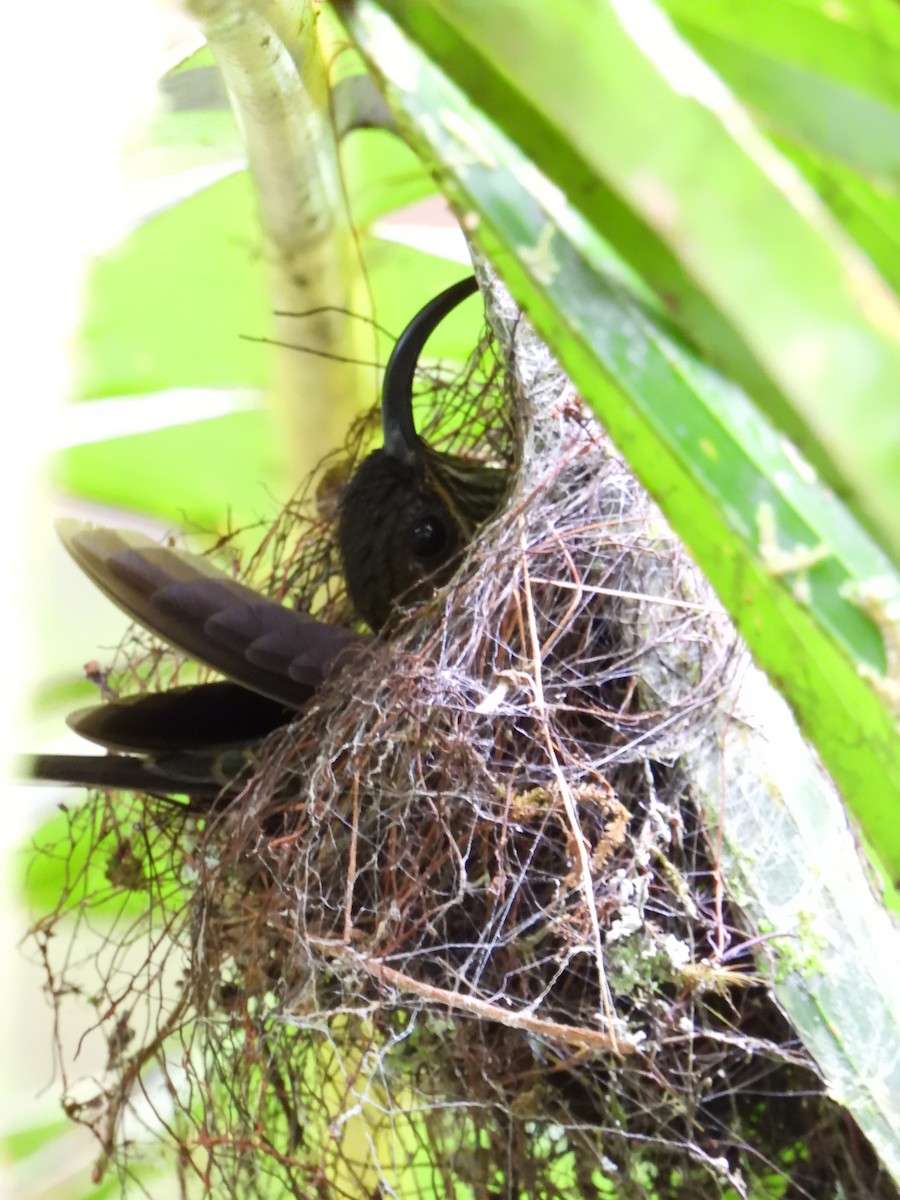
[(189, 603), (190, 719)]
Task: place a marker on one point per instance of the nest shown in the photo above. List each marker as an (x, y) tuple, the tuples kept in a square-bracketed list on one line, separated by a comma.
[(463, 933)]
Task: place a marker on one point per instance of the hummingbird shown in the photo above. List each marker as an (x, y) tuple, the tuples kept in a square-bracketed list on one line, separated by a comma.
[(403, 519)]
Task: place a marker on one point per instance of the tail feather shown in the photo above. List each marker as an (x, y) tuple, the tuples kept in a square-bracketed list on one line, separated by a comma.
[(196, 778)]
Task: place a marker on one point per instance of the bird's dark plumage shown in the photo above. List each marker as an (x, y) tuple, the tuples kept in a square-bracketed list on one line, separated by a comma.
[(409, 510), (404, 518), (198, 609), (191, 740)]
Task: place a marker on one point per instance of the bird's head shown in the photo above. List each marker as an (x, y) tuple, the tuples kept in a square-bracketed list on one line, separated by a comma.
[(409, 510), (398, 538)]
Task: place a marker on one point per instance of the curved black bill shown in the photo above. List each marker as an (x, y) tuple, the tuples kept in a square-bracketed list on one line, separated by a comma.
[(400, 438)]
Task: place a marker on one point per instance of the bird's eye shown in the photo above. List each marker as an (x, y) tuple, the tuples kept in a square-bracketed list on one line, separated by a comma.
[(429, 538)]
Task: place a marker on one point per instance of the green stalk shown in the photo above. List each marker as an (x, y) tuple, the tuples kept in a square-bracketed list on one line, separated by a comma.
[(273, 67)]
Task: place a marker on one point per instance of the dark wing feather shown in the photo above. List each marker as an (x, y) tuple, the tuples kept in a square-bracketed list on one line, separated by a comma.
[(183, 599), (191, 719)]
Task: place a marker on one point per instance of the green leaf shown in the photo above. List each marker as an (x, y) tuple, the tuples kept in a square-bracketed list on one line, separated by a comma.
[(197, 475), (169, 306), (825, 77), (72, 862), (868, 211), (790, 860), (585, 95), (172, 307), (381, 174), (194, 126), (23, 1142), (783, 554)]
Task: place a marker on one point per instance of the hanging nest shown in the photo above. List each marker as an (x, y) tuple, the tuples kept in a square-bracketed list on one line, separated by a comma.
[(463, 933)]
